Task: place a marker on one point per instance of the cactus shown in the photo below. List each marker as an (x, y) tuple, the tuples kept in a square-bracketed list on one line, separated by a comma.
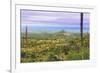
[(81, 30), (26, 37)]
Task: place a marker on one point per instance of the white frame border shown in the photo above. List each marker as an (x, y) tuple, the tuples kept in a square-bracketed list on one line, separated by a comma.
[(15, 65)]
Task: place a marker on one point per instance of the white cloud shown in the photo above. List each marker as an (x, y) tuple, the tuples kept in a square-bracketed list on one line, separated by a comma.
[(43, 18)]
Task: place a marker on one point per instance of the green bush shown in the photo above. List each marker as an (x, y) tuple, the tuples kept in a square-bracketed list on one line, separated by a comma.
[(73, 55), (82, 54)]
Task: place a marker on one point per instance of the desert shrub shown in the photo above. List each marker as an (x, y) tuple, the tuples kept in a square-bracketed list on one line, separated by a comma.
[(54, 47), (83, 53), (73, 55), (52, 57), (25, 60)]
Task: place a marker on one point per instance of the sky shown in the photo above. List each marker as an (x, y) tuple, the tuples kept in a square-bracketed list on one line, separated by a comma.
[(53, 21)]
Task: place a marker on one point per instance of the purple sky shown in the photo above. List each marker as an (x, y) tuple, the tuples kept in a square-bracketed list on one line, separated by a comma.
[(52, 19)]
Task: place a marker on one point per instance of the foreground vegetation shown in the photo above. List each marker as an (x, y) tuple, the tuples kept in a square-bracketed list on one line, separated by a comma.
[(58, 46)]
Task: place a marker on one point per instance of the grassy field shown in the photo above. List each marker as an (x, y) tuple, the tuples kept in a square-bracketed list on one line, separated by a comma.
[(54, 46)]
